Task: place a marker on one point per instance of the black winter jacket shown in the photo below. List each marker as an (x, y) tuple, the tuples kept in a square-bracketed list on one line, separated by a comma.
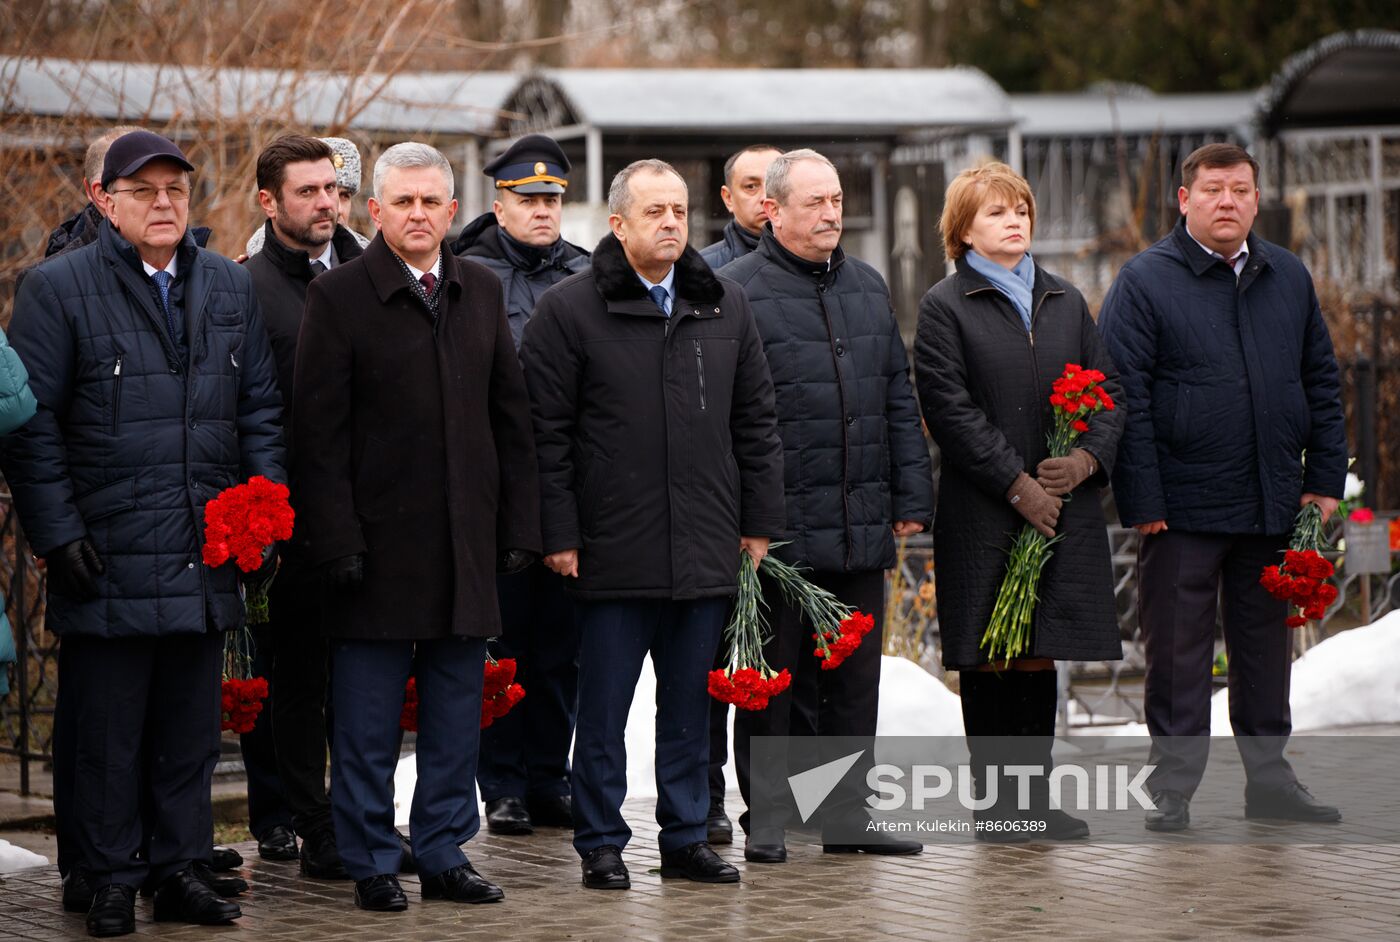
[(1227, 386), (525, 272), (984, 385), (735, 243), (280, 278), (854, 456), (133, 437), (657, 441)]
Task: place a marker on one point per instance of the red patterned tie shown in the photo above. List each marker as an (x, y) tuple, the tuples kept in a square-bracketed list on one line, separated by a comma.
[(428, 281)]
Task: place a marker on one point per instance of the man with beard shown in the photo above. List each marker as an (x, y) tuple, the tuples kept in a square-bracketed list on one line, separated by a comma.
[(523, 772), (285, 754)]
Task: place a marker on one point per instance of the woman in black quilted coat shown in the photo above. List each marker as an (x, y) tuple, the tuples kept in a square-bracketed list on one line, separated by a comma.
[(992, 337)]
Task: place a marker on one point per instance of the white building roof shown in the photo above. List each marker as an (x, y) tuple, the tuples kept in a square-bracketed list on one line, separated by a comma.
[(441, 102), (1102, 112)]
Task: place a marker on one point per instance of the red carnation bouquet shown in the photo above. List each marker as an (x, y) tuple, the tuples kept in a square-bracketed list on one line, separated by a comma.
[(499, 694), (1300, 580), (241, 694), (1075, 397), (240, 524), (747, 681)]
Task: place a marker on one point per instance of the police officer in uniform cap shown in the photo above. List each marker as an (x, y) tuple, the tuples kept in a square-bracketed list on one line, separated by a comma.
[(523, 769)]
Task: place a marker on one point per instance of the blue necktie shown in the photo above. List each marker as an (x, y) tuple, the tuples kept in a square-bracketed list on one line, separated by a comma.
[(662, 298), (163, 280)]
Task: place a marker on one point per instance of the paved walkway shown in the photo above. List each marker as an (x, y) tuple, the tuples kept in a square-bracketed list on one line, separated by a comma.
[(1072, 891)]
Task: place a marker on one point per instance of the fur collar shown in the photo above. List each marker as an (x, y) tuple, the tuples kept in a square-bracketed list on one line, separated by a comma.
[(617, 281)]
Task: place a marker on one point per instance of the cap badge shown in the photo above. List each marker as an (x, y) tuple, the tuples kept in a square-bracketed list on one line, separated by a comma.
[(338, 160), (540, 167)]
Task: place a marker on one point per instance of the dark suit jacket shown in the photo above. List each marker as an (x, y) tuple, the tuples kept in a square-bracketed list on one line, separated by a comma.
[(413, 446)]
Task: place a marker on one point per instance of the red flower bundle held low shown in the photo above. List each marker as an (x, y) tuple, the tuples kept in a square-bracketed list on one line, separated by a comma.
[(240, 524), (839, 630), (241, 695), (499, 694), (1076, 396), (747, 681), (1300, 580)]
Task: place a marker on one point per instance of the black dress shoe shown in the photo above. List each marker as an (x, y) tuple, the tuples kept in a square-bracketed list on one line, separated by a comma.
[(113, 911), (320, 857), (279, 843), (1059, 826), (225, 858), (765, 848), (187, 898), (508, 816), (1292, 802), (884, 846), (718, 828), (407, 862), (462, 884), (603, 869), (1173, 812), (225, 885), (380, 893), (555, 811), (697, 862), (77, 892)]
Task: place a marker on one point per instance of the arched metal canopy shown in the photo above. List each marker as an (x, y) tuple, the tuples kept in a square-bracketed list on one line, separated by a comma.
[(1346, 79)]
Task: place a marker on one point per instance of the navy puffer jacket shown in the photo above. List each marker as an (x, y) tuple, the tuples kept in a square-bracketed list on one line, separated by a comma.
[(854, 455), (133, 437), (1226, 387)]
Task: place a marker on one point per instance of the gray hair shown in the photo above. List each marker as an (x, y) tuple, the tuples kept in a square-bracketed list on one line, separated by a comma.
[(97, 151), (775, 181), (409, 155), (620, 192)]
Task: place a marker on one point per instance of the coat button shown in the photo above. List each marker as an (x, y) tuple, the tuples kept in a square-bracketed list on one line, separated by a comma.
[(850, 488), (194, 424), (174, 367), (189, 565), (840, 350), (194, 482), (850, 420)]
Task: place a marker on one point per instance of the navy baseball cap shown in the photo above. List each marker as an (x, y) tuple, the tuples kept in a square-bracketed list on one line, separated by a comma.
[(130, 152)]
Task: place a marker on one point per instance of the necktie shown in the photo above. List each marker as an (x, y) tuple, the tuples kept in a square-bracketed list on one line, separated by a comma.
[(429, 281), (662, 298), (163, 280), (317, 267)]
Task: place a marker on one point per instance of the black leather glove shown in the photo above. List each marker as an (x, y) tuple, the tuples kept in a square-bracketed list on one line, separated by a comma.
[(73, 570), (514, 560), (263, 572), (1030, 500), (346, 572)]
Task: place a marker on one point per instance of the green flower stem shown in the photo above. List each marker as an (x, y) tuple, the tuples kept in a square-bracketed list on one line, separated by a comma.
[(824, 610)]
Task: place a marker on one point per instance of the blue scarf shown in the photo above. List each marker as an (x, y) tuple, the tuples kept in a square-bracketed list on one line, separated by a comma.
[(1016, 283)]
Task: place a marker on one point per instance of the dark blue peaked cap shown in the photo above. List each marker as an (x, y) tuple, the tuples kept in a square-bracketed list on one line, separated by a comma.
[(533, 164)]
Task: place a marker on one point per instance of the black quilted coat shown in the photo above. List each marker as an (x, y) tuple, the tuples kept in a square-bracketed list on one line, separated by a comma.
[(984, 385), (133, 437), (854, 458)]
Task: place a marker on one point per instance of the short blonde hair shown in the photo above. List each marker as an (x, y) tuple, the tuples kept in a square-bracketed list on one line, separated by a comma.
[(970, 190)]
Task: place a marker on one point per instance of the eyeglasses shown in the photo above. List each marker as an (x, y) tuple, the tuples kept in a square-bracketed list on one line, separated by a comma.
[(147, 194)]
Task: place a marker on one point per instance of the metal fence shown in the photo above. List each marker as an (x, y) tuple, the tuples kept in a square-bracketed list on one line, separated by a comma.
[(26, 714)]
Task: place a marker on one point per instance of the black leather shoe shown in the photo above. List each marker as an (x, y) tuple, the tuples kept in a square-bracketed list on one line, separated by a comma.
[(225, 885), (508, 816), (1173, 812), (603, 869), (279, 843), (113, 911), (225, 858), (555, 811), (380, 893), (884, 846), (1292, 802), (462, 884), (187, 898), (718, 828), (77, 892), (320, 857), (765, 848), (698, 862), (407, 862)]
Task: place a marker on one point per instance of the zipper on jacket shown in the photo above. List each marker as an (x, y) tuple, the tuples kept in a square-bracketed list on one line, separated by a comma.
[(700, 369), (233, 358), (117, 394)]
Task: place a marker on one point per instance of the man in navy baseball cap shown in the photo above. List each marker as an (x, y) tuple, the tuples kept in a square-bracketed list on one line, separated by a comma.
[(130, 152)]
